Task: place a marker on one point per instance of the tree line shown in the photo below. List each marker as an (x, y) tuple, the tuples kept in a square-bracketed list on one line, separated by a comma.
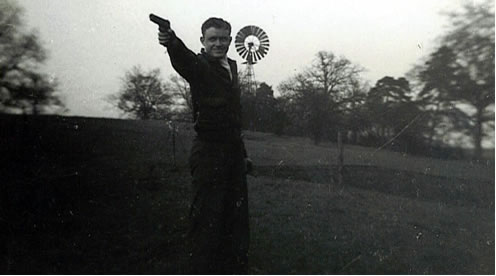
[(447, 96)]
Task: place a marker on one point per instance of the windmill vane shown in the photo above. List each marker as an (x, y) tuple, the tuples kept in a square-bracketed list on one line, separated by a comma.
[(252, 44)]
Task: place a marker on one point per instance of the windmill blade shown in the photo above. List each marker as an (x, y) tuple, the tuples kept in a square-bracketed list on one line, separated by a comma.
[(262, 50), (258, 55), (241, 51), (253, 29), (240, 37), (240, 46), (261, 54), (246, 31), (242, 34), (258, 32), (264, 40), (263, 35), (265, 44), (254, 55), (239, 43), (246, 53), (265, 47)]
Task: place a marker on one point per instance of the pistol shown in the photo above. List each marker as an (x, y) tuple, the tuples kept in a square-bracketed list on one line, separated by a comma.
[(163, 24)]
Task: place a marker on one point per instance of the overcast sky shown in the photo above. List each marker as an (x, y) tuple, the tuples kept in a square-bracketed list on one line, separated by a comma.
[(91, 44)]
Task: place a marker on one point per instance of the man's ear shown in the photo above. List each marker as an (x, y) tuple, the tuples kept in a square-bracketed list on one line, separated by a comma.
[(202, 40)]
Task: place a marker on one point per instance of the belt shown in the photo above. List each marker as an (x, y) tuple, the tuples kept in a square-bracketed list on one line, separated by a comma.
[(220, 136)]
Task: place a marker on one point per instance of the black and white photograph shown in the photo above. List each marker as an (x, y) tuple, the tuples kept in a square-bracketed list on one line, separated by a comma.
[(181, 137)]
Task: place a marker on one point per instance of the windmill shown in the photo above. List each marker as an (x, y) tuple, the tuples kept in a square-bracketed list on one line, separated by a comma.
[(252, 44)]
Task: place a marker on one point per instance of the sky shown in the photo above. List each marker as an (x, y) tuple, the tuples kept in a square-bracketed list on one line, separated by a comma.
[(91, 44)]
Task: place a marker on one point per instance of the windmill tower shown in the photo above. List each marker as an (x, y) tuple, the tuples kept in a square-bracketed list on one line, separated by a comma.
[(252, 44)]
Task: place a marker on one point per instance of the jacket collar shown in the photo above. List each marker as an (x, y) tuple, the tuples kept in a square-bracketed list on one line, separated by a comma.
[(231, 62), (212, 59)]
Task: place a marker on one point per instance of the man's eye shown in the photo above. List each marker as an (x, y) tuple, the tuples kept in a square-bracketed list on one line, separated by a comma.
[(221, 39)]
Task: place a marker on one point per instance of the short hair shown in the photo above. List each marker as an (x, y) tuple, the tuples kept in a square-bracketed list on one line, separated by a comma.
[(215, 22)]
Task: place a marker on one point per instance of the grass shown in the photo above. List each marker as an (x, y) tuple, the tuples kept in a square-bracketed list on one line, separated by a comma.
[(309, 228), (105, 198)]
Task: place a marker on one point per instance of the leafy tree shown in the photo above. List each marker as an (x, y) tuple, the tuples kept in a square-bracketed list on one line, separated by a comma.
[(354, 117), (21, 54), (37, 93), (257, 107), (280, 119), (459, 76), (143, 95), (265, 105), (440, 115), (392, 114), (297, 93)]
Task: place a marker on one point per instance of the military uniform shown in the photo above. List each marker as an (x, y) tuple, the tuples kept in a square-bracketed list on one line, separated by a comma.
[(219, 211)]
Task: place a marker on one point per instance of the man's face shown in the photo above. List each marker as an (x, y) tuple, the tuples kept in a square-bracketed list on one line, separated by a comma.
[(216, 42)]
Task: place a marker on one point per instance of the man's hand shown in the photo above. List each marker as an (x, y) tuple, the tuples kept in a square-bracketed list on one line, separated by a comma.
[(165, 37), (248, 166)]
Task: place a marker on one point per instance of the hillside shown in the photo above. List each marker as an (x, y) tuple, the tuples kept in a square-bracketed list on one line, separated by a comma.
[(85, 195)]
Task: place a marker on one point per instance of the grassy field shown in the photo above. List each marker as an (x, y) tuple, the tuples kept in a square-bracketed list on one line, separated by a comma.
[(93, 196)]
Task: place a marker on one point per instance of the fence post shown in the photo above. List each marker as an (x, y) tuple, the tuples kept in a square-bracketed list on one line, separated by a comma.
[(340, 158)]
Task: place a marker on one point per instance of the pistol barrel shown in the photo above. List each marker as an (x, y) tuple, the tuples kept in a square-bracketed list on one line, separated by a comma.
[(162, 23)]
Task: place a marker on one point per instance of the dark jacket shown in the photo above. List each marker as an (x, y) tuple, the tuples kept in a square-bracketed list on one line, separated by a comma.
[(215, 97)]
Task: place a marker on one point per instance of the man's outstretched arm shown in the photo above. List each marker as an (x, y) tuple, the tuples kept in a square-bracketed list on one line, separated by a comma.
[(183, 59)]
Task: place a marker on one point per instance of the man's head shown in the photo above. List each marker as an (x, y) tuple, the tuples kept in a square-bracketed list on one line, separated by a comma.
[(216, 37)]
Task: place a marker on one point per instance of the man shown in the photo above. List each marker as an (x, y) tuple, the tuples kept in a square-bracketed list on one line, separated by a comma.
[(219, 212)]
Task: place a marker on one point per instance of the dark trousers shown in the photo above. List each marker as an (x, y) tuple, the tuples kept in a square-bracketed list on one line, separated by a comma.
[(219, 231)]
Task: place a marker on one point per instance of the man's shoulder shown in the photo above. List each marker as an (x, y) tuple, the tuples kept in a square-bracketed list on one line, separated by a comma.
[(202, 58), (232, 62), (205, 58)]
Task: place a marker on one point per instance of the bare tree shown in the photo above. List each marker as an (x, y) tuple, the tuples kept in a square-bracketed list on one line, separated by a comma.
[(320, 92), (143, 95), (332, 75), (180, 89)]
